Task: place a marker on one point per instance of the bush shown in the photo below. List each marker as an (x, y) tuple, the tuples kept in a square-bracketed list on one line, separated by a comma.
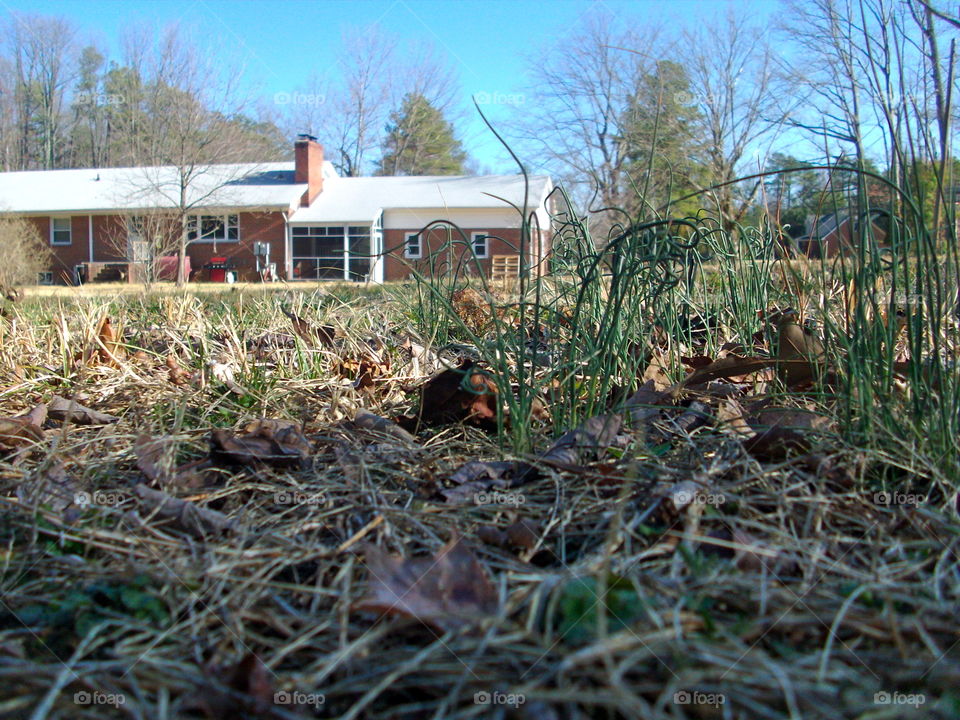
[(23, 253)]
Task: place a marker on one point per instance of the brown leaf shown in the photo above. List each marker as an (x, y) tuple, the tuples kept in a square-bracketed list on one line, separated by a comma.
[(370, 421), (799, 352), (196, 520), (285, 447), (19, 432), (71, 411), (109, 350), (50, 486), (155, 459), (449, 592), (177, 375), (320, 336), (461, 394), (247, 691)]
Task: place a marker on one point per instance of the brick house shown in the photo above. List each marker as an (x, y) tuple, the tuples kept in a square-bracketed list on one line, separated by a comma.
[(298, 218)]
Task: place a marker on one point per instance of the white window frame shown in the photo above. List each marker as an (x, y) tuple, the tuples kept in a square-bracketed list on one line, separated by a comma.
[(195, 222), (406, 246), (478, 236), (53, 230)]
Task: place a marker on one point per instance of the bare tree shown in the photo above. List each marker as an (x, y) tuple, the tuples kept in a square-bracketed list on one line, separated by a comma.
[(743, 101), (576, 113), (187, 147), (42, 54)]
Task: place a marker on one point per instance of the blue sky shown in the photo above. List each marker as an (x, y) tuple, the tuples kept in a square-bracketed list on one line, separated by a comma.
[(278, 44)]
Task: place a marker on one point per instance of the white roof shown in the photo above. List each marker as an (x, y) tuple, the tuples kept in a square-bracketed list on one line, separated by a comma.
[(259, 185), (361, 199), (253, 185)]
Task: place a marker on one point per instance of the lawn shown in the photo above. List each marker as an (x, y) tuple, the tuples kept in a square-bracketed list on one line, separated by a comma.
[(619, 496)]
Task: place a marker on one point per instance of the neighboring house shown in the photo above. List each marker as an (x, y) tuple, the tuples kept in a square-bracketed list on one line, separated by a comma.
[(829, 235), (300, 217)]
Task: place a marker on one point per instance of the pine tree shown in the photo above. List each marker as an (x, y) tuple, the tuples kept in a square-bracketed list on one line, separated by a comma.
[(420, 141)]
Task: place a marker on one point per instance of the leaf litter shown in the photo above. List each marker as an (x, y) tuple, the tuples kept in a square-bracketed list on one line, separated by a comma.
[(705, 505)]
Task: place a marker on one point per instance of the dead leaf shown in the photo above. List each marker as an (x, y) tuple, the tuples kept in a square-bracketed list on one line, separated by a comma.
[(51, 486), (461, 394), (19, 432), (71, 411), (246, 691), (286, 447), (177, 375), (320, 336), (370, 421), (156, 457), (196, 520), (449, 591), (109, 350), (224, 373)]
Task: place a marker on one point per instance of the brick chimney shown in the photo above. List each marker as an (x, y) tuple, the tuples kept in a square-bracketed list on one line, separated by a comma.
[(308, 166)]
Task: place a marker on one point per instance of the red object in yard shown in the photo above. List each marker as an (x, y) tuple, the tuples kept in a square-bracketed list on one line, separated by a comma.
[(167, 267), (218, 269)]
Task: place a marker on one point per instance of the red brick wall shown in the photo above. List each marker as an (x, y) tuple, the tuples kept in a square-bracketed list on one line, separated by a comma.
[(451, 252), (254, 227), (308, 168), (109, 232)]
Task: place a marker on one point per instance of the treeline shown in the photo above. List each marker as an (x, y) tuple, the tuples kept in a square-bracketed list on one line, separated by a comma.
[(652, 120), (64, 104), (665, 120)]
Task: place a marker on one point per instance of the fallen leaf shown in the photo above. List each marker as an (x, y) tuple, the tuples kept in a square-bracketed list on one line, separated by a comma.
[(177, 375), (449, 591), (71, 411), (155, 459), (322, 335), (242, 691), (373, 422), (461, 394), (224, 373), (109, 350), (50, 486), (196, 520), (286, 447), (19, 432)]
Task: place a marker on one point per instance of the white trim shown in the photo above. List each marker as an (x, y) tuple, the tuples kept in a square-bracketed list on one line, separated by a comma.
[(474, 236), (224, 217), (406, 246), (53, 219)]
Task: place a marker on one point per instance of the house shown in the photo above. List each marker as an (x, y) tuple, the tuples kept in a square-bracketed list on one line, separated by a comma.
[(293, 220), (832, 234)]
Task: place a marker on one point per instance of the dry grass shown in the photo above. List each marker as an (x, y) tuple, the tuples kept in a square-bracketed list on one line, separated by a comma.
[(799, 595)]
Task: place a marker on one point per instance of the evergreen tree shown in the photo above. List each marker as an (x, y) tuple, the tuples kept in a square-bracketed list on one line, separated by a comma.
[(663, 141), (420, 141)]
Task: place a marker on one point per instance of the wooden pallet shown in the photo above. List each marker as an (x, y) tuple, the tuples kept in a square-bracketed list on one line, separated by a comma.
[(504, 267)]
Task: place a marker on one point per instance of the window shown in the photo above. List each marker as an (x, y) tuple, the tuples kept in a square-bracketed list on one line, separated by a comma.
[(478, 241), (60, 233), (413, 249), (45, 278), (213, 228)]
